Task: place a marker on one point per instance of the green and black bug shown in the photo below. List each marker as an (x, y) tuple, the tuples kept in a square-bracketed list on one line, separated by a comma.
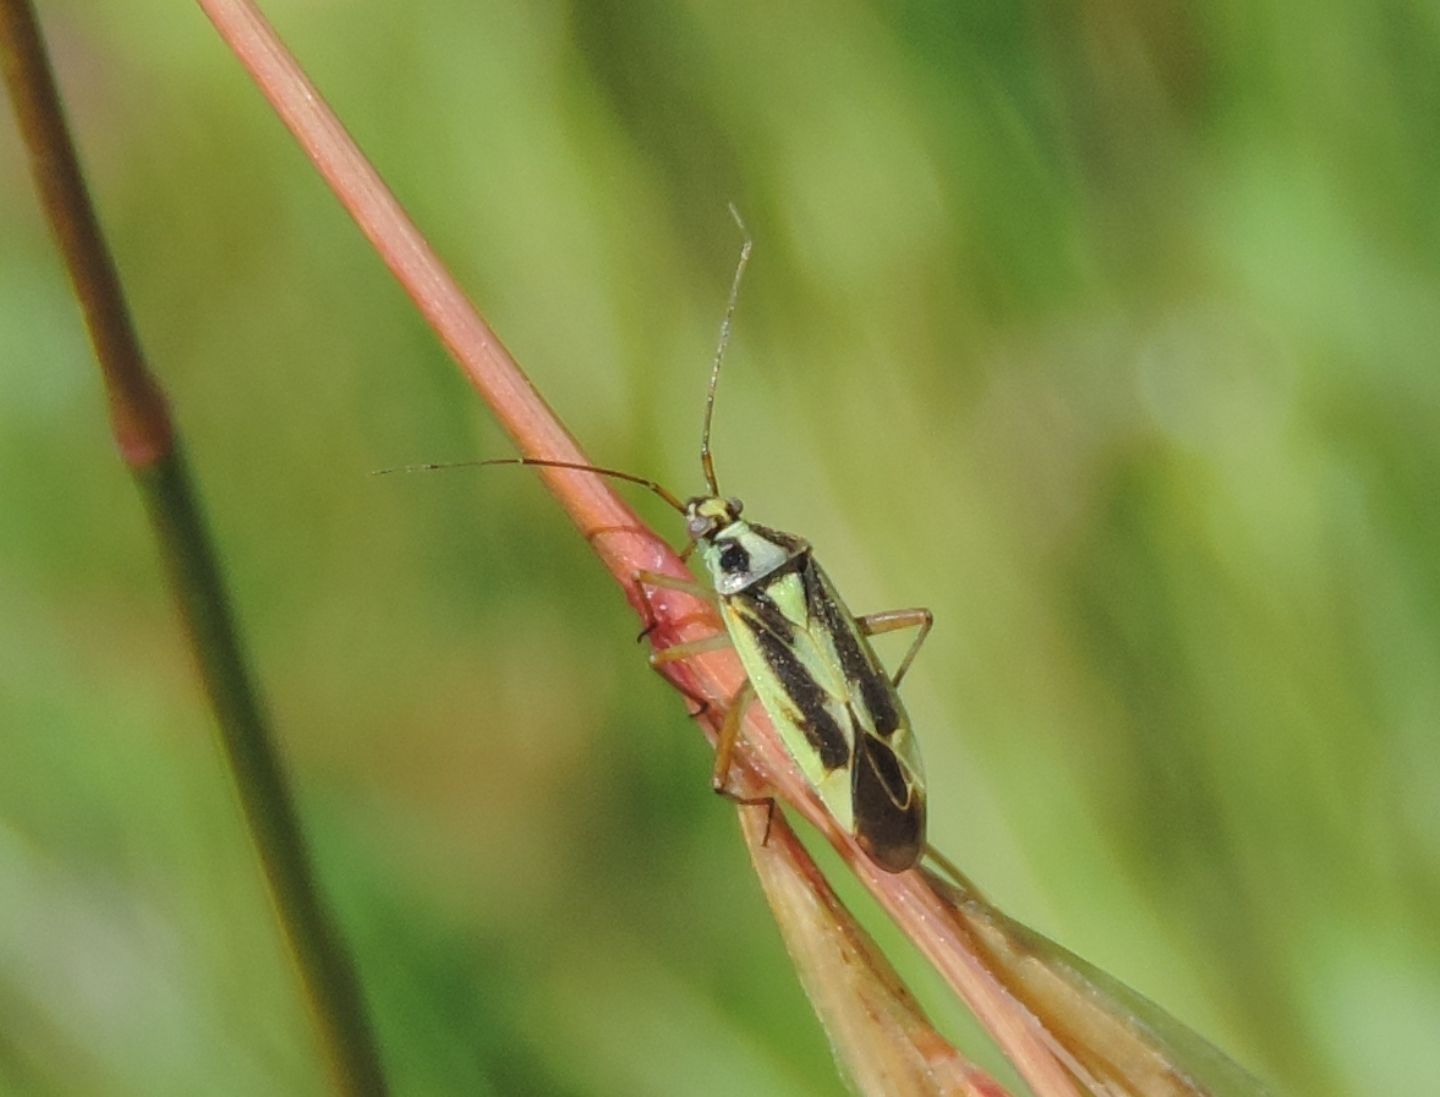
[(807, 658)]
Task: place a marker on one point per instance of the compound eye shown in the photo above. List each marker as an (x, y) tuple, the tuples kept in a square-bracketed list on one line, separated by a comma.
[(734, 559), (735, 506)]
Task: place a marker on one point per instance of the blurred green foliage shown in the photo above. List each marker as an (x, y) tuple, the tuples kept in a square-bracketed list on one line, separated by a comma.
[(1107, 330)]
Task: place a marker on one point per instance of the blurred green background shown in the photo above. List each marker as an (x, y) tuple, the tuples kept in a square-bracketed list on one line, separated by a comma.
[(1107, 330)]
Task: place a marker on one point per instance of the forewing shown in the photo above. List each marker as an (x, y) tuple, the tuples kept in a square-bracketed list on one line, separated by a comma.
[(834, 706)]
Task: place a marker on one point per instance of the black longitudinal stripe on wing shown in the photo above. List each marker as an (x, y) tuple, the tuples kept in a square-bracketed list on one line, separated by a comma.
[(759, 605), (862, 672), (889, 812), (876, 691), (819, 726)]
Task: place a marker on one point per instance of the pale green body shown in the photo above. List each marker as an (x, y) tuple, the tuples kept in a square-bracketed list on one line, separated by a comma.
[(812, 667)]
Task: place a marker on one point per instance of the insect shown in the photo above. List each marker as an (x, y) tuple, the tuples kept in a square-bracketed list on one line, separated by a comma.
[(806, 657)]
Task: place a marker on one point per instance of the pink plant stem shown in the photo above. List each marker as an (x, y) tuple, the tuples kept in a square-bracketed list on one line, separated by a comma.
[(521, 410), (620, 539)]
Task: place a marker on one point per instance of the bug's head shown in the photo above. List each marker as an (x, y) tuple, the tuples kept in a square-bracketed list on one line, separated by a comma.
[(708, 515), (735, 553)]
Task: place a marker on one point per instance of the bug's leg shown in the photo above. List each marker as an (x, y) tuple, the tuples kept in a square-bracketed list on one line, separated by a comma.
[(725, 747), (677, 652), (769, 802), (725, 753), (702, 706), (670, 582), (718, 641), (675, 582), (872, 624), (729, 735)]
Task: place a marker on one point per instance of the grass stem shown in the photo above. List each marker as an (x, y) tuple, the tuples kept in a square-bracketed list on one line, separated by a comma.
[(150, 447)]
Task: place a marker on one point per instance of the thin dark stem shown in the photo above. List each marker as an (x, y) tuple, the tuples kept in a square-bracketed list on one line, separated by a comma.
[(137, 407), (148, 445), (332, 988)]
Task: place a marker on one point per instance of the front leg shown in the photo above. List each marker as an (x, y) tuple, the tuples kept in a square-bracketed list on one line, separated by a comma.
[(872, 624), (717, 641), (677, 652), (661, 580), (675, 582)]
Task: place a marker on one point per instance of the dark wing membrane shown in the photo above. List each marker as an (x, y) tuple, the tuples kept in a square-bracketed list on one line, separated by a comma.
[(889, 810)]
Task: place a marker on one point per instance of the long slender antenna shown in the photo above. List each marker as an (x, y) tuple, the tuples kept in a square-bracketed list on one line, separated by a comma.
[(707, 463), (540, 462)]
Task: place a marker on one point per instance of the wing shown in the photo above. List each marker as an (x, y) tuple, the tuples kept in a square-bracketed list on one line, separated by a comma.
[(886, 784), (834, 706)]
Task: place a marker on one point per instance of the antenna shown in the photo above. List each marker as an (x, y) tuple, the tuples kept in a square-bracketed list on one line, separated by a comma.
[(707, 463), (541, 462)]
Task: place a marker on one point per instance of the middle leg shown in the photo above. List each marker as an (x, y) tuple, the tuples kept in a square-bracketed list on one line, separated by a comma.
[(872, 624)]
